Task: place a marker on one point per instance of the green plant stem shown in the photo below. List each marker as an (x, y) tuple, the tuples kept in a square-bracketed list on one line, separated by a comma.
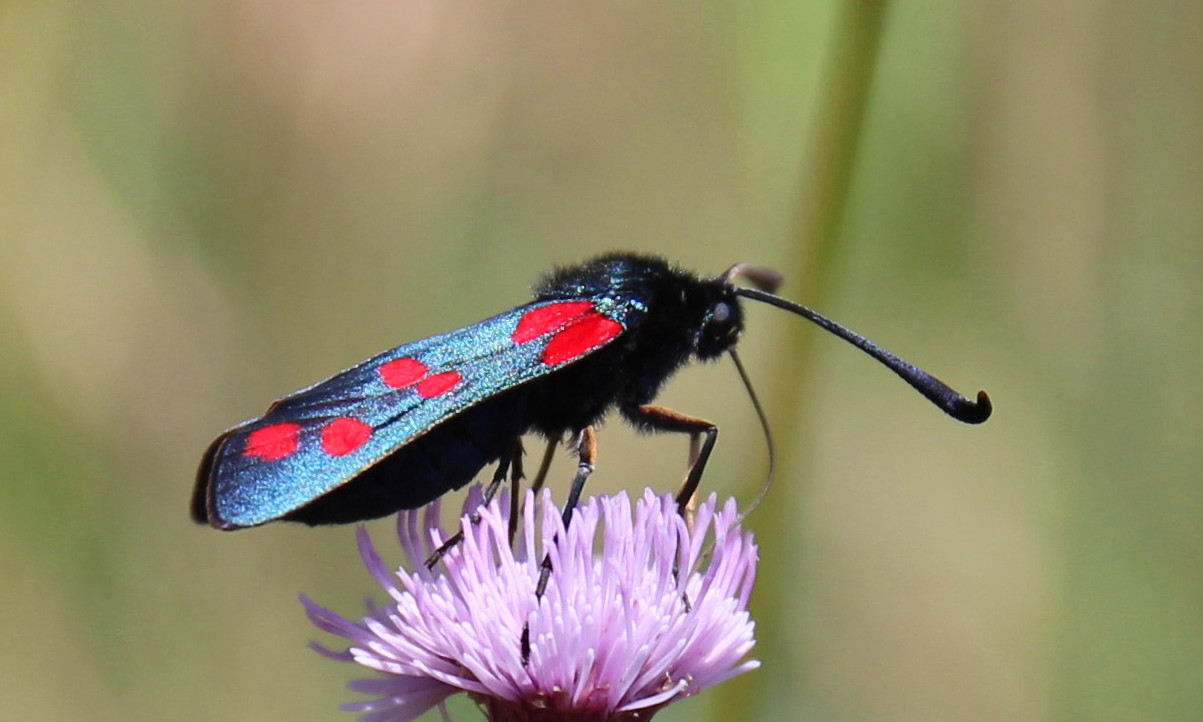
[(824, 181)]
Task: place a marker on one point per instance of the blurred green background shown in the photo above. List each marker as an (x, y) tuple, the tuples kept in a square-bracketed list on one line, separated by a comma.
[(205, 205)]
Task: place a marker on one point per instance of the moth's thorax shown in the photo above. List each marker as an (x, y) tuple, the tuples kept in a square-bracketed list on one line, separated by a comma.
[(682, 315)]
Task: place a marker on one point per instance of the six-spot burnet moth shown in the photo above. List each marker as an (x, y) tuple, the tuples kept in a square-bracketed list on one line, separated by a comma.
[(401, 429)]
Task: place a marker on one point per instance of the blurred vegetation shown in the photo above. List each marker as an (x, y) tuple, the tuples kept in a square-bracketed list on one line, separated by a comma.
[(207, 205)]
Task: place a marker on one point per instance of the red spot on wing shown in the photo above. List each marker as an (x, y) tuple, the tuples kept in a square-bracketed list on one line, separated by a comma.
[(272, 443), (544, 320), (402, 372), (344, 435), (438, 384), (582, 336)]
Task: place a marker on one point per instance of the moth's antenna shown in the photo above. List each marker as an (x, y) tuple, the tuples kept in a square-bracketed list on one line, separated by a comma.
[(951, 402), (764, 426), (766, 279)]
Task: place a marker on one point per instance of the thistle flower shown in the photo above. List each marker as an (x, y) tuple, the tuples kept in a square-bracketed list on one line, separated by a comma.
[(638, 612)]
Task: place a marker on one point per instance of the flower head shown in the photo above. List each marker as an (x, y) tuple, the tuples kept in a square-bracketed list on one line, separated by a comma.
[(638, 612)]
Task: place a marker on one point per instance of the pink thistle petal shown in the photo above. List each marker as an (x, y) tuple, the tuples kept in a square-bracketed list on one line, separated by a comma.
[(655, 613)]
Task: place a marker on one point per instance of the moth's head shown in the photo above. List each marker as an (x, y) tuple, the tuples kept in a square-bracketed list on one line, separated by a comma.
[(722, 321)]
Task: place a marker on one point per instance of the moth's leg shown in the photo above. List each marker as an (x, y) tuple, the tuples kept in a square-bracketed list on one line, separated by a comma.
[(586, 451), (516, 477), (658, 418), (544, 465), (509, 460)]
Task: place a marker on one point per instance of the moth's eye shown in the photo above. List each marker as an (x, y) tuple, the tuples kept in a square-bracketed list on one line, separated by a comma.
[(721, 312)]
